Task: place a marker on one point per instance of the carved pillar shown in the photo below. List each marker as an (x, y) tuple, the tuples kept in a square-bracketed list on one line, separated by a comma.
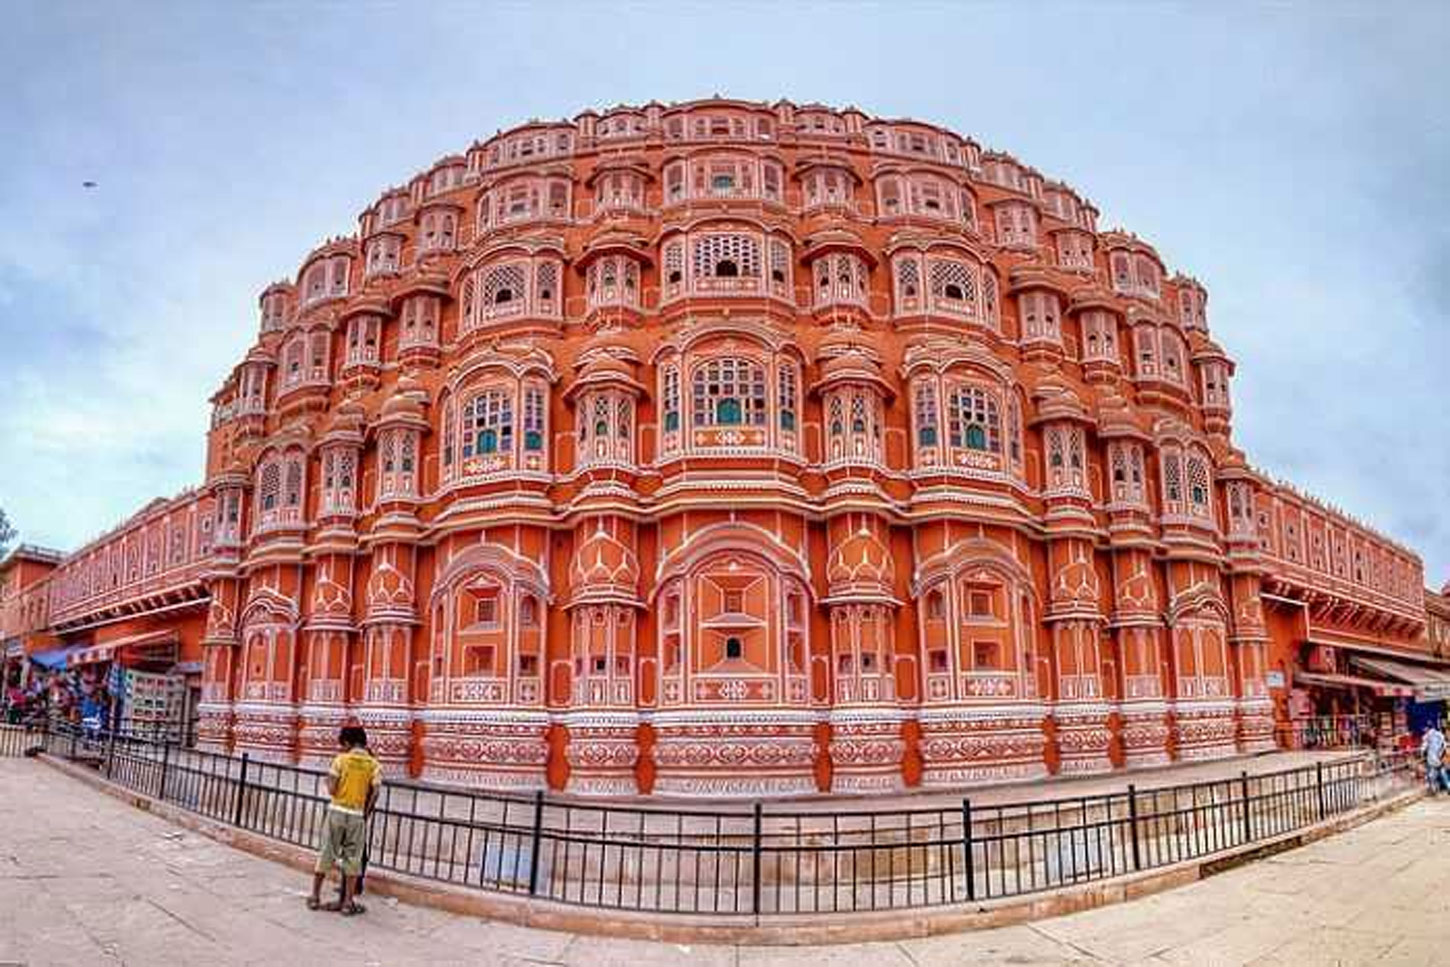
[(384, 705), (1143, 716), (219, 645), (1204, 706), (1248, 635), (1081, 709), (331, 627), (866, 745), (325, 637), (1249, 639), (601, 715), (218, 675)]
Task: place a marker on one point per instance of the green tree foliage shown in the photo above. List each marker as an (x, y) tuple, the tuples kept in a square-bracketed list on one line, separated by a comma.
[(7, 532)]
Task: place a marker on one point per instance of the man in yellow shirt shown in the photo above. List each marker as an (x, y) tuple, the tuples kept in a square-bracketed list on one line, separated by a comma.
[(353, 783)]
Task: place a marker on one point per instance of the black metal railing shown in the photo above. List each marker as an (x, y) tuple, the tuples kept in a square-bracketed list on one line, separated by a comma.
[(16, 739), (1327, 732), (751, 861)]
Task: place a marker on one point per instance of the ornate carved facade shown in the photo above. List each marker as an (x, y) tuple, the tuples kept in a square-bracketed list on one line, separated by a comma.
[(734, 449)]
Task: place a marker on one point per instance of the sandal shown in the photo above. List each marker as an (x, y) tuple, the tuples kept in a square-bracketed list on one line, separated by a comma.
[(313, 903), (353, 909)]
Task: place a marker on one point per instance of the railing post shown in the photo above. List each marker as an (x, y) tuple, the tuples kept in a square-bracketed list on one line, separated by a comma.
[(1133, 822), (1319, 782), (74, 735), (971, 861), (241, 790), (538, 838), (165, 762), (1244, 793), (755, 862), (111, 753)]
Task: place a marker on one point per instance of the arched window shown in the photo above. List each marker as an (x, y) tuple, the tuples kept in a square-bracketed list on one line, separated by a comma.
[(975, 421), (953, 286), (503, 284), (314, 283), (382, 255), (908, 284), (674, 267), (533, 418), (547, 275), (1122, 272), (292, 492), (726, 256), (779, 266), (1173, 478), (1173, 367), (488, 424), (786, 395), (600, 416), (926, 414), (1146, 338), (729, 392), (269, 487), (670, 398), (889, 193), (1039, 316), (1198, 489)]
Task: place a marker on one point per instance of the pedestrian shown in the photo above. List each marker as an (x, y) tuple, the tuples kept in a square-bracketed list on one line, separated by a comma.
[(352, 783), (1432, 747)]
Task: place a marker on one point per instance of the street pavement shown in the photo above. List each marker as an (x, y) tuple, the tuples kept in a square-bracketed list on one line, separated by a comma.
[(88, 880)]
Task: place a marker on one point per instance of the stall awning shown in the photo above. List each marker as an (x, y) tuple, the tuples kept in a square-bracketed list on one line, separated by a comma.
[(150, 641), (1430, 684), (1378, 687), (1351, 645), (55, 658)]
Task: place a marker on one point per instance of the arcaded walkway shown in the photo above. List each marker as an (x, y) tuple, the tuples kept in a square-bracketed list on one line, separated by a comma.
[(87, 880)]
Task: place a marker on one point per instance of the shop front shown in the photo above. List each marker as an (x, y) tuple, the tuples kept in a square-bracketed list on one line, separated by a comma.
[(1429, 680), (144, 687), (1347, 694)]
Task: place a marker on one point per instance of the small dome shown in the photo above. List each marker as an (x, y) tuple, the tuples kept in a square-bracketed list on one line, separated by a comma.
[(603, 562), (331, 599), (860, 563), (389, 588), (405, 400)]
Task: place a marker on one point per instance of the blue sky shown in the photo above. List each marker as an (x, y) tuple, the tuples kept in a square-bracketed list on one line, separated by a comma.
[(1296, 158)]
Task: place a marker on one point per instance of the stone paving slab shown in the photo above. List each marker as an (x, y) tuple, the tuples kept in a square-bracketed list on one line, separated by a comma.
[(88, 880)]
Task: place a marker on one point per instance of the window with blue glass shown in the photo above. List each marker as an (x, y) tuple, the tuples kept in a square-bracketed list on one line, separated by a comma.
[(729, 392)]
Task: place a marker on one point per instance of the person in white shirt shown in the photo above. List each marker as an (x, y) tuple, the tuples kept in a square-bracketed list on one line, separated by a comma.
[(1432, 747)]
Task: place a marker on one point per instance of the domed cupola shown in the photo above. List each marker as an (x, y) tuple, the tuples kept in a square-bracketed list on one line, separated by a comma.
[(604, 569), (860, 567)]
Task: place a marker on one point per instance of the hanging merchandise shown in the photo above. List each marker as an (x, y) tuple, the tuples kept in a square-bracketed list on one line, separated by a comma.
[(153, 704)]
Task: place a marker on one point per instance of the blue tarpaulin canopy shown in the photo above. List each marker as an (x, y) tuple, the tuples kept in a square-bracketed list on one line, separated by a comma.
[(55, 658)]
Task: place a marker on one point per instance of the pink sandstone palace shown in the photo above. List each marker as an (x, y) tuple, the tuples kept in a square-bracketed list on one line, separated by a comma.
[(733, 449)]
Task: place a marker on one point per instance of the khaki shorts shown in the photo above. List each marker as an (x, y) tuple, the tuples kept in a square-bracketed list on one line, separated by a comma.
[(342, 843)]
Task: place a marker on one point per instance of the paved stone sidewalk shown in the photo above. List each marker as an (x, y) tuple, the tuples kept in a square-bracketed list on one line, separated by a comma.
[(87, 880)]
